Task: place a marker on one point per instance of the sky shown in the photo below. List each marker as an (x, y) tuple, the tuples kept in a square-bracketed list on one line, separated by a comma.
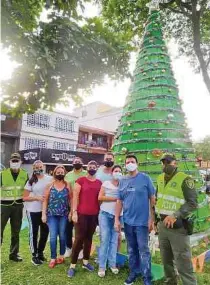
[(191, 89)]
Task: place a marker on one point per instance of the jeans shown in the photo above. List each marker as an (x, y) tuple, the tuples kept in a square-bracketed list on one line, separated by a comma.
[(57, 227), (69, 234), (138, 251), (108, 240)]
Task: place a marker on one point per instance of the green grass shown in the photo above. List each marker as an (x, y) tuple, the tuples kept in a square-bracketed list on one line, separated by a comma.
[(25, 273)]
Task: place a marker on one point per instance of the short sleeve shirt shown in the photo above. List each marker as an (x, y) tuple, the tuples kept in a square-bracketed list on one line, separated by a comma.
[(134, 192), (72, 176), (37, 189), (88, 197), (103, 176)]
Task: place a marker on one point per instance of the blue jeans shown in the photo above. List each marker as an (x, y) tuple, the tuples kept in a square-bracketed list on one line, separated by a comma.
[(108, 240), (57, 227), (138, 251)]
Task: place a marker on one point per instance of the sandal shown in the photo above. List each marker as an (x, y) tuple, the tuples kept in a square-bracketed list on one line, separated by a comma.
[(52, 263), (60, 260)]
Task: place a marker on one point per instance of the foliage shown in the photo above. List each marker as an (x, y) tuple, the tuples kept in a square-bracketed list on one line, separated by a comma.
[(26, 274), (202, 148), (188, 22), (58, 58)]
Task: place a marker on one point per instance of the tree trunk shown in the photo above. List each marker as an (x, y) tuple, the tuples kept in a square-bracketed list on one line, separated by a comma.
[(197, 44)]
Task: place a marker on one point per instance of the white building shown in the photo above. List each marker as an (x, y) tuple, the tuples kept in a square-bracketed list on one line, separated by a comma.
[(52, 130), (99, 115)]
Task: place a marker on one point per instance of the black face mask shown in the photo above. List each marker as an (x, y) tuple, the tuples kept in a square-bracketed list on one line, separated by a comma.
[(59, 177), (92, 172), (77, 166), (169, 169), (108, 163)]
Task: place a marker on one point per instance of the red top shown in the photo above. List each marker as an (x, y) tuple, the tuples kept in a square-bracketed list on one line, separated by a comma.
[(88, 196)]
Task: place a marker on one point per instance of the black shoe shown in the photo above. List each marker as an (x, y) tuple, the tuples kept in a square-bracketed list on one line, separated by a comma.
[(36, 261), (131, 278), (15, 258), (42, 258)]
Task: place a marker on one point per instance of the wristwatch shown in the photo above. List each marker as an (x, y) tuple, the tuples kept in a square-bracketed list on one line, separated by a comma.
[(175, 216)]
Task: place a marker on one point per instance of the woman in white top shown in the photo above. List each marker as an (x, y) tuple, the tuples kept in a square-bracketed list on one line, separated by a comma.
[(108, 235), (33, 196)]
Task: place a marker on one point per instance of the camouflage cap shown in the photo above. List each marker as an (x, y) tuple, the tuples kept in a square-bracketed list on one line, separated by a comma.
[(15, 155), (168, 157)]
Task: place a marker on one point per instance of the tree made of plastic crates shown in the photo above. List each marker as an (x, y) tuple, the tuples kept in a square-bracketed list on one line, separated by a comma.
[(153, 121)]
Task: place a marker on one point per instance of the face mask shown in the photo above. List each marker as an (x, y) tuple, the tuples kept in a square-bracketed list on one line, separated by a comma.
[(108, 163), (77, 166), (15, 165), (117, 175), (92, 172), (169, 169), (38, 171), (59, 177), (131, 166)]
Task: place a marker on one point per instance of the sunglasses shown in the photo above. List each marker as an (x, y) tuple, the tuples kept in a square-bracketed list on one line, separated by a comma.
[(15, 160)]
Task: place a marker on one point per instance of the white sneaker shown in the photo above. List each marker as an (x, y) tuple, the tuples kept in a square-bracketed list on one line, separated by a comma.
[(101, 273), (80, 254), (114, 270), (68, 252)]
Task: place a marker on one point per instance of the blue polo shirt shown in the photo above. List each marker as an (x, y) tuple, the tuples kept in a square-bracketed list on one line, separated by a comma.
[(134, 192)]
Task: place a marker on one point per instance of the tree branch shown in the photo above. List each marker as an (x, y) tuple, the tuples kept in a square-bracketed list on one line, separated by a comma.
[(197, 43), (179, 12)]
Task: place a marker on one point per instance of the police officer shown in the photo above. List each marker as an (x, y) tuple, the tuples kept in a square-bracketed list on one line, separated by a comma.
[(13, 181), (176, 200)]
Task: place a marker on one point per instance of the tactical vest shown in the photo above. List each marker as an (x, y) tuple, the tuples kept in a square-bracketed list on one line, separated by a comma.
[(12, 190), (170, 196)]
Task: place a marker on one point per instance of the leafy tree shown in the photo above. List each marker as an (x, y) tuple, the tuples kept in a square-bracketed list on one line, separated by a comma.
[(187, 21), (202, 148), (58, 58)]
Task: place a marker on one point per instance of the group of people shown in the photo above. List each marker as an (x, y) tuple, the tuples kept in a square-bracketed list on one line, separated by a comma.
[(104, 196)]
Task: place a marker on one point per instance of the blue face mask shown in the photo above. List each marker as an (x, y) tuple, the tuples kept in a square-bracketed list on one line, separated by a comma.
[(117, 175)]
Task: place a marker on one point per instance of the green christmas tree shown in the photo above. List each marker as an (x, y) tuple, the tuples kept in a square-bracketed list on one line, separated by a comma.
[(153, 121)]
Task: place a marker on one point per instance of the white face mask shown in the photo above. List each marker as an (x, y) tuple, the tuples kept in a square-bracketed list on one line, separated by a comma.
[(15, 165), (131, 166), (117, 175)]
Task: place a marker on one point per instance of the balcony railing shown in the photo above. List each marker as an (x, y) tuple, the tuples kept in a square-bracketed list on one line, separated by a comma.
[(93, 143)]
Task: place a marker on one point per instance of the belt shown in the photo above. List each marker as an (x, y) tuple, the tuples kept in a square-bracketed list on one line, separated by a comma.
[(8, 202)]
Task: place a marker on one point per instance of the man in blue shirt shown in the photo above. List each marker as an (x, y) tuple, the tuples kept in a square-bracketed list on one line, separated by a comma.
[(136, 198)]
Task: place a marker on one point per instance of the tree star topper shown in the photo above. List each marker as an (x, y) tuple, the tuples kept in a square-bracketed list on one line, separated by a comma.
[(153, 5)]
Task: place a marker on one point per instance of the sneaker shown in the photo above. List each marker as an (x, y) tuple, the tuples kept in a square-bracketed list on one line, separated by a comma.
[(36, 261), (101, 273), (114, 270), (80, 254), (131, 278), (15, 258), (71, 272), (42, 258), (88, 266), (68, 252)]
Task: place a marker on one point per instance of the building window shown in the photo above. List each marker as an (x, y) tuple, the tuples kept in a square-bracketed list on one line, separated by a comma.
[(83, 137), (100, 141), (35, 143), (84, 113), (38, 121), (64, 125), (63, 146)]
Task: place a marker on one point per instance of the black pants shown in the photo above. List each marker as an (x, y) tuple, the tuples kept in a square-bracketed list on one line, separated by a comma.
[(35, 223), (69, 234), (84, 230), (15, 214)]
